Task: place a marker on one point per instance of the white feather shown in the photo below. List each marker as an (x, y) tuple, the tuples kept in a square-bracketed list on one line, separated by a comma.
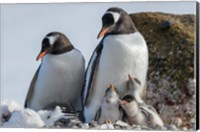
[(156, 118), (52, 39)]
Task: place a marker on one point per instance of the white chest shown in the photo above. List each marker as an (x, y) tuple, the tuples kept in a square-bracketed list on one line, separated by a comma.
[(59, 75), (122, 55)]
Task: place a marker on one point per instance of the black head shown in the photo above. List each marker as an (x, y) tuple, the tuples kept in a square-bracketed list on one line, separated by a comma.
[(55, 43), (128, 98), (116, 21)]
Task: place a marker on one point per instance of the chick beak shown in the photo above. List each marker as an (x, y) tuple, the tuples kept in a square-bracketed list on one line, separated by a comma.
[(130, 77), (122, 102)]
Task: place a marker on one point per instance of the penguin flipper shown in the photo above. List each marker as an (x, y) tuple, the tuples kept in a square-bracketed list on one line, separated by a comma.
[(90, 72), (98, 114), (31, 89)]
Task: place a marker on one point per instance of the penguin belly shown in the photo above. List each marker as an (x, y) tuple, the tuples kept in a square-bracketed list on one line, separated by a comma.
[(60, 81)]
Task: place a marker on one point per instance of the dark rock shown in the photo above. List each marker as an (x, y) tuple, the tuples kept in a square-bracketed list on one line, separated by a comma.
[(67, 122), (93, 124)]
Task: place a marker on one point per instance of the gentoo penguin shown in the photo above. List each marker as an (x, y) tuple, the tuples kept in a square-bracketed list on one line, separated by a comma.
[(122, 50), (110, 110), (139, 114), (59, 78)]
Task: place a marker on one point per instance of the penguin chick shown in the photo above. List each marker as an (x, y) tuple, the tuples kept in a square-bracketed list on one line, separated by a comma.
[(133, 86), (139, 114), (109, 110)]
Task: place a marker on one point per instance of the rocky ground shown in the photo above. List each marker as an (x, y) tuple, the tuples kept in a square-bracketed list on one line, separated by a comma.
[(170, 87), (171, 82)]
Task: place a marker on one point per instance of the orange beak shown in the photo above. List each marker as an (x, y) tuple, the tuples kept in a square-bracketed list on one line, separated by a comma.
[(130, 77), (103, 32), (42, 54), (110, 86), (122, 102)]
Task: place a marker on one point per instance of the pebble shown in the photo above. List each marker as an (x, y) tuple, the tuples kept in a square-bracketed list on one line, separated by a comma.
[(85, 126), (75, 127), (177, 122), (163, 128), (171, 127), (106, 126), (194, 126), (121, 123), (184, 128), (65, 122)]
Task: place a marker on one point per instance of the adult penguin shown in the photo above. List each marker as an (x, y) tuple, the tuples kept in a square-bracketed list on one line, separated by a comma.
[(59, 78), (122, 51)]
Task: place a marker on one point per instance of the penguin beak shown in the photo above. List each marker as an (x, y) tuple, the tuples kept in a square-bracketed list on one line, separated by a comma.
[(42, 54), (122, 102), (103, 31), (130, 77)]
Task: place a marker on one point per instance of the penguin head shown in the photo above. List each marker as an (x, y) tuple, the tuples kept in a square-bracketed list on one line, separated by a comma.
[(112, 92), (54, 43), (116, 21), (133, 83), (129, 104)]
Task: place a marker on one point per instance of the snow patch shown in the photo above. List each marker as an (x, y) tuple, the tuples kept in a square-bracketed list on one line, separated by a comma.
[(14, 115)]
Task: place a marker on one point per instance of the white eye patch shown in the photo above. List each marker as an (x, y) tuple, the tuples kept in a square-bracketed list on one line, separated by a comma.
[(52, 39), (116, 15)]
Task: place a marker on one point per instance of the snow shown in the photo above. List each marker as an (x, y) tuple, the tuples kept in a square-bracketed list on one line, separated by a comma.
[(13, 115), (49, 116), (25, 118)]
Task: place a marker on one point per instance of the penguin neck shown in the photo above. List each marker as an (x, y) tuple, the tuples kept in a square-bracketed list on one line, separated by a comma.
[(63, 50)]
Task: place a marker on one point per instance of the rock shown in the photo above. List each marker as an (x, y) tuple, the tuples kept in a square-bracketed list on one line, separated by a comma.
[(164, 128), (184, 128), (85, 126), (171, 127), (64, 122), (121, 123), (177, 122), (194, 126), (106, 126), (75, 127), (93, 124)]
